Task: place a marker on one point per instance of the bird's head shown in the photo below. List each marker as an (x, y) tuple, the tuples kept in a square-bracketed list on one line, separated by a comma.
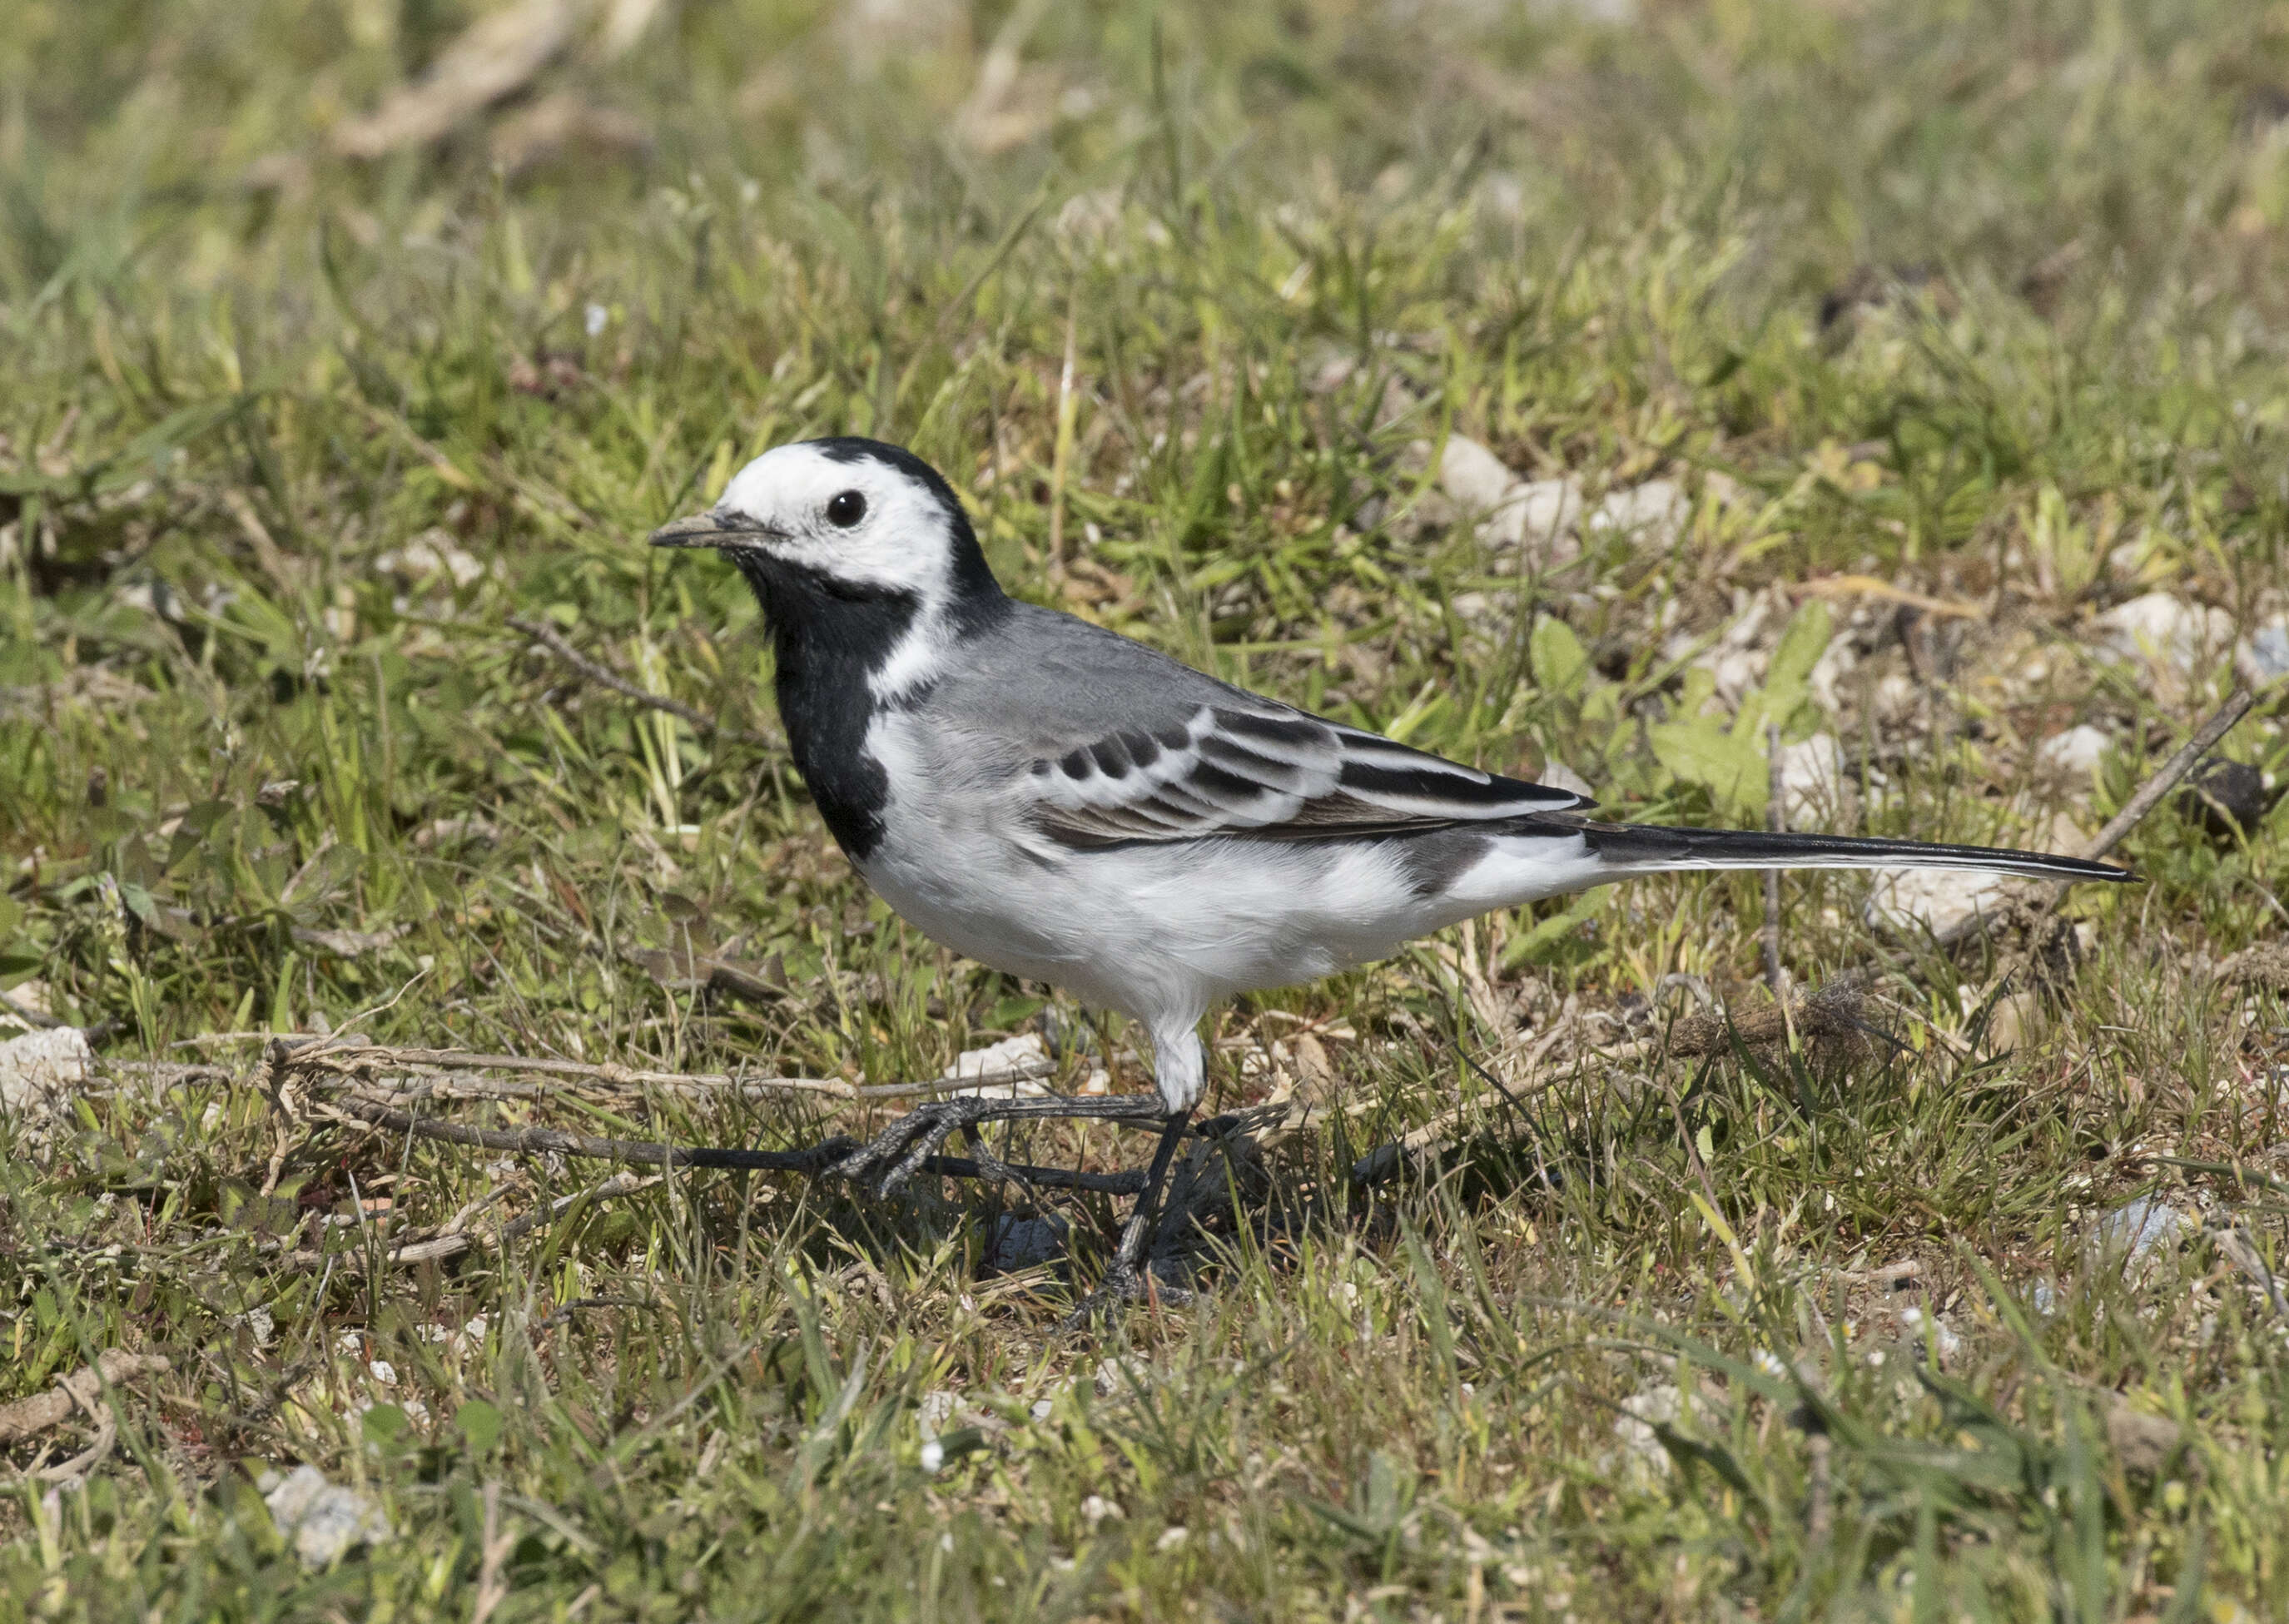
[(844, 519)]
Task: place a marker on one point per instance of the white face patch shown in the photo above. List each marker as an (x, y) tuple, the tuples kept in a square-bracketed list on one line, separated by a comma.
[(860, 521)]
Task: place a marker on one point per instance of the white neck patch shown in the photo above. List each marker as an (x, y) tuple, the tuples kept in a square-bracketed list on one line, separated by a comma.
[(916, 660)]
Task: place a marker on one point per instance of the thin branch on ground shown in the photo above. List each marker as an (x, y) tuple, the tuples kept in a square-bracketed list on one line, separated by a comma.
[(2149, 795), (2164, 781), (604, 676), (368, 1061), (810, 1160), (454, 1240), (30, 1017), (41, 1410)]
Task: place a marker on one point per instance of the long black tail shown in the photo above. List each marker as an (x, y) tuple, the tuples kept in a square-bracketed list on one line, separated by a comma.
[(1645, 849)]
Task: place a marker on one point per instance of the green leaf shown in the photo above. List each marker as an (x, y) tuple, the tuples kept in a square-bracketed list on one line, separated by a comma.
[(1787, 680), (1689, 1451), (387, 1425), (1561, 662), (479, 1423), (1548, 933), (1729, 765)]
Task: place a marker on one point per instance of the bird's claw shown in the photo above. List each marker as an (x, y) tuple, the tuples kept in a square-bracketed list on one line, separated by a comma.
[(909, 1142), (1123, 1283)]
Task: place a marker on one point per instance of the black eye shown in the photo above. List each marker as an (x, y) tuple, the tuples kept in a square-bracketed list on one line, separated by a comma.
[(846, 509)]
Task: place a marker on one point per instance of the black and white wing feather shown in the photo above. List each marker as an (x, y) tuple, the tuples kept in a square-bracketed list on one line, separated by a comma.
[(1266, 774)]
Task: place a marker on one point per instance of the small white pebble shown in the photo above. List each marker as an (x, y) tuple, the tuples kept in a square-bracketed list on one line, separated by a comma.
[(933, 1457), (1096, 1508), (383, 1371), (595, 316), (1171, 1537), (1040, 1410)]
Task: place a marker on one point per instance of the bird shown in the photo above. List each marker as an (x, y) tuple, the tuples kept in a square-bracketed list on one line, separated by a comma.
[(1071, 806)]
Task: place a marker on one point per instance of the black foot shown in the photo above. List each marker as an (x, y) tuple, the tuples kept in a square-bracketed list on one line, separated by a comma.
[(898, 1151), (1122, 1286), (1130, 1279)]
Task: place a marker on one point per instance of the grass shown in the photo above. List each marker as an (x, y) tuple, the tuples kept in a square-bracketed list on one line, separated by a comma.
[(290, 438)]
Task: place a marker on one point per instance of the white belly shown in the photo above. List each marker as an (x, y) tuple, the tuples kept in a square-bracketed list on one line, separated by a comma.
[(1157, 932)]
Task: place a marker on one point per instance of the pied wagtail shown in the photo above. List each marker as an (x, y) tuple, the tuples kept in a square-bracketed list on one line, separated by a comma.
[(1064, 804)]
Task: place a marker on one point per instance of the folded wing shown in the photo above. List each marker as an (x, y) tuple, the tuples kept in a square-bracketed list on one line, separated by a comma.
[(1265, 774)]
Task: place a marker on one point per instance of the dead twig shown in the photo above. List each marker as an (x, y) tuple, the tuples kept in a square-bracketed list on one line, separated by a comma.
[(1832, 1012), (2166, 780), (493, 1549), (2019, 904), (2266, 964), (604, 676), (1869, 586), (30, 1017), (367, 1061), (452, 1241), (78, 1388), (812, 1160), (1818, 1515)]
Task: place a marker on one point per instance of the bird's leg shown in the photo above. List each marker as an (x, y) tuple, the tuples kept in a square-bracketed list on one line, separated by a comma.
[(1178, 1072), (1125, 1279), (894, 1156)]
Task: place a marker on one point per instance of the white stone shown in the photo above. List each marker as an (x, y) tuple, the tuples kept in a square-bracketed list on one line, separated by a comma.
[(1641, 1446), (42, 1069), (2139, 1231), (1812, 781), (1834, 665), (1933, 899), (1653, 513), (1474, 476), (2263, 657), (432, 552), (1538, 516), (1011, 1068), (1096, 1509), (1896, 696), (936, 1409), (2075, 753), (2165, 632), (322, 1519), (1736, 672), (1542, 511), (1558, 776)]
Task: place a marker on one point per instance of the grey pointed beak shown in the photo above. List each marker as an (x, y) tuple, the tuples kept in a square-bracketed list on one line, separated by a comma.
[(713, 529)]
